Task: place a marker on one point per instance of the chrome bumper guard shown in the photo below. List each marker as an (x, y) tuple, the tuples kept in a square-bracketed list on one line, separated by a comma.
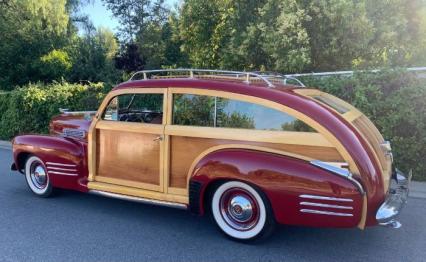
[(395, 200)]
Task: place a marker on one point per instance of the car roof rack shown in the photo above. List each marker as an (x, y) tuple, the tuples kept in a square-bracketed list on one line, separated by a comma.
[(247, 77)]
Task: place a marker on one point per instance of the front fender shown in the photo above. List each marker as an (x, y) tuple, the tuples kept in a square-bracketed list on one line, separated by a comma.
[(285, 181), (53, 149)]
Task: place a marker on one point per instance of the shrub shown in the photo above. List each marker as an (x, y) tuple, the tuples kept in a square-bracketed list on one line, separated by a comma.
[(30, 108), (396, 102)]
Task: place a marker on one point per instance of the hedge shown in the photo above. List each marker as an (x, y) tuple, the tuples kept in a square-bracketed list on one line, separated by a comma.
[(29, 109), (395, 101)]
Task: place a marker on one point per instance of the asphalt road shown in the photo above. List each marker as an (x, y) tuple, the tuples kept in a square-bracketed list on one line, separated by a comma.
[(82, 227)]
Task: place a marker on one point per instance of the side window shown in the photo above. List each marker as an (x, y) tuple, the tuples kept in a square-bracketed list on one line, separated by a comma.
[(138, 108), (211, 111), (193, 110)]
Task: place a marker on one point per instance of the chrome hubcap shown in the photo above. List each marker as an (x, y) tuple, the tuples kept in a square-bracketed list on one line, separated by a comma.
[(239, 209), (38, 175)]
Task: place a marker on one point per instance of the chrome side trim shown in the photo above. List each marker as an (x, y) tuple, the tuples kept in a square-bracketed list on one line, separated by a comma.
[(61, 173), (59, 164), (339, 171), (326, 198), (325, 205), (139, 199), (328, 213), (61, 169)]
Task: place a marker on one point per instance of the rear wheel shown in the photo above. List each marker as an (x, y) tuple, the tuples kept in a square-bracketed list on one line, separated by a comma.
[(242, 212), (37, 178)]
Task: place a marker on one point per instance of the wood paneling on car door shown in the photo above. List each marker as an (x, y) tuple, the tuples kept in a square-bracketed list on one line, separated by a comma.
[(128, 156), (184, 150)]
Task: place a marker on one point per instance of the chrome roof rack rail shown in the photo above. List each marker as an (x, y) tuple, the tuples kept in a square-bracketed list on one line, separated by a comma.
[(277, 77), (192, 73)]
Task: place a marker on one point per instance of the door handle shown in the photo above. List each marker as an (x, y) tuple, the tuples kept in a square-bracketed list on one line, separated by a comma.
[(158, 138)]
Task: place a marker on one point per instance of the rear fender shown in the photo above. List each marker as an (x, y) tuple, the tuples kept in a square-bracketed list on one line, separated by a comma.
[(284, 180), (65, 159)]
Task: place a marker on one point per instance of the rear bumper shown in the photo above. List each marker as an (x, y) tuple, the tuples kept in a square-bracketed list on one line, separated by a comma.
[(395, 200)]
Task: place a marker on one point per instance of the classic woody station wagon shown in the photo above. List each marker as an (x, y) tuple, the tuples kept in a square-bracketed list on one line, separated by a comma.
[(244, 147)]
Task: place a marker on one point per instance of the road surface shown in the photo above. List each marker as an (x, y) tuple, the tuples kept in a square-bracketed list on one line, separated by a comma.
[(83, 227)]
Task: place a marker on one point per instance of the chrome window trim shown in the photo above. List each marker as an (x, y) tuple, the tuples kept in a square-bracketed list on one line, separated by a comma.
[(339, 171)]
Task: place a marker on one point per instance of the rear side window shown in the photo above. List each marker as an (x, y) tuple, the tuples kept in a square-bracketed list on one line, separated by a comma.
[(210, 111), (138, 108)]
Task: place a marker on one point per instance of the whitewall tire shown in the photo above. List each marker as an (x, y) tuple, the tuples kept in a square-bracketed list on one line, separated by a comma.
[(241, 212), (37, 178)]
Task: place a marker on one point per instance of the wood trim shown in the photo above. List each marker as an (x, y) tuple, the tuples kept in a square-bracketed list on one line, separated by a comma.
[(363, 220), (166, 164), (178, 191), (282, 137), (130, 127), (352, 115), (311, 122), (91, 150), (123, 182), (130, 191)]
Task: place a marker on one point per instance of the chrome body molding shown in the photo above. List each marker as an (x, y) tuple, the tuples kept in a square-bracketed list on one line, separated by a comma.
[(61, 169), (314, 204), (339, 199), (139, 199), (339, 171), (395, 200), (328, 213), (62, 173), (60, 164)]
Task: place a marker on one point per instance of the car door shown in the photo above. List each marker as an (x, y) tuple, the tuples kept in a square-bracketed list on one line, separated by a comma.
[(127, 139)]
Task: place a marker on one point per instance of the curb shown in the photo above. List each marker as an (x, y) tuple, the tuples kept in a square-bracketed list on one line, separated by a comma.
[(5, 144), (417, 189)]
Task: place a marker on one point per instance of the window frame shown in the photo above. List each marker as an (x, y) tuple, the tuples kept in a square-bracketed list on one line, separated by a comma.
[(142, 91)]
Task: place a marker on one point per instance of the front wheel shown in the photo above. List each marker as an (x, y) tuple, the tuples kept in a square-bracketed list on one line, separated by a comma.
[(37, 178), (242, 212)]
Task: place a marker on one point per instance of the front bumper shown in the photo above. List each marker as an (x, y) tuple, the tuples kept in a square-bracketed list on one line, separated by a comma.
[(395, 200)]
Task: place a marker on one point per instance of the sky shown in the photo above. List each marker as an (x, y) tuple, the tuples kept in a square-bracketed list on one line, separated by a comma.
[(101, 16)]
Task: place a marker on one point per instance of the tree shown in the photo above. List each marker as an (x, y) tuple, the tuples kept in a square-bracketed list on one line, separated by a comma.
[(303, 35), (29, 30), (93, 56), (135, 15), (54, 65), (129, 59)]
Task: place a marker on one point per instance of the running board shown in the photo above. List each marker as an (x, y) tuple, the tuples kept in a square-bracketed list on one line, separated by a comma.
[(139, 199)]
